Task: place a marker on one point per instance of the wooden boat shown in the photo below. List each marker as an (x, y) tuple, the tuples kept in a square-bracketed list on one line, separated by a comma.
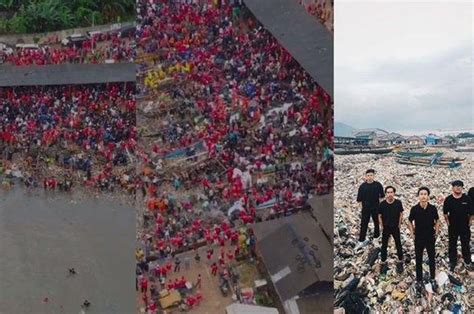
[(428, 155), (410, 154), (428, 159), (417, 163), (352, 150), (466, 149)]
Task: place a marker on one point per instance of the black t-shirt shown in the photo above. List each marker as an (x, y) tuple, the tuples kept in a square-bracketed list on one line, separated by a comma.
[(391, 213), (470, 193), (425, 220), (370, 194), (458, 210)]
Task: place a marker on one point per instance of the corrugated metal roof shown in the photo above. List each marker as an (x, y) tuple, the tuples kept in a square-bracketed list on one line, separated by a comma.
[(287, 246), (66, 74), (307, 40)]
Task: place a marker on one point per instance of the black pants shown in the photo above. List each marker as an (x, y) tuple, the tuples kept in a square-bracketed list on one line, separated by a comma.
[(455, 232), (420, 246), (395, 233), (364, 223)]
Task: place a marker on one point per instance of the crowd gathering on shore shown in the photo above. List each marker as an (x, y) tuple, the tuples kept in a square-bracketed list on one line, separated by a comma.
[(230, 131), (259, 137), (57, 136)]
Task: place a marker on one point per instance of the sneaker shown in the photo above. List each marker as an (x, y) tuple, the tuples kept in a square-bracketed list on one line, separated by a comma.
[(452, 267), (399, 267), (361, 245), (384, 269), (419, 289)]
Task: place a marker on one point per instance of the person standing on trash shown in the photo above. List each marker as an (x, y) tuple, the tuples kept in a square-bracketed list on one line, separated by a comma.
[(369, 195), (390, 220), (424, 233), (458, 210), (470, 193)]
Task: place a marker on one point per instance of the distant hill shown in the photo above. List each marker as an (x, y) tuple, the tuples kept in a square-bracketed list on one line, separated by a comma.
[(342, 129)]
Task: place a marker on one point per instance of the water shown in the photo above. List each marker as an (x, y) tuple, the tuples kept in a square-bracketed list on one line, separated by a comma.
[(43, 234)]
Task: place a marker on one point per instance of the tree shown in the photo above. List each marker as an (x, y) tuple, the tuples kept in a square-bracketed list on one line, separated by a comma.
[(49, 15), (465, 135), (9, 5)]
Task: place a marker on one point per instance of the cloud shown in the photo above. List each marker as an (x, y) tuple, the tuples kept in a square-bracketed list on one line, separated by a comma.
[(426, 86)]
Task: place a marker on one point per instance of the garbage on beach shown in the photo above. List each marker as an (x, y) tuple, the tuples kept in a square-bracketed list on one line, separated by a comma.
[(359, 284)]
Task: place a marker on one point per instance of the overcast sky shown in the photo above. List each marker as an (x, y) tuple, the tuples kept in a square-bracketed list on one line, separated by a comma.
[(404, 67)]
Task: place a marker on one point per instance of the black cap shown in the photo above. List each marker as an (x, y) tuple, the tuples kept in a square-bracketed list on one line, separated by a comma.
[(370, 171), (457, 183)]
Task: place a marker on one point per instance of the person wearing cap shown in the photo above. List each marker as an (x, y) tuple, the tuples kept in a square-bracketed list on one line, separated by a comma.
[(369, 195), (458, 210), (424, 232)]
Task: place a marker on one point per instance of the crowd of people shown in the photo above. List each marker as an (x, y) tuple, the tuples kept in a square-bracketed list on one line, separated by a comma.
[(96, 49), (164, 271), (234, 130), (58, 136)]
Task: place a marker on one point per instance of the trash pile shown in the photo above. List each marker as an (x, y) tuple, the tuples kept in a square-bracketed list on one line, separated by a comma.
[(359, 284)]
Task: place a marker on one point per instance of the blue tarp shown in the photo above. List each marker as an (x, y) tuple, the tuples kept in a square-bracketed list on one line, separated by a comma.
[(199, 146)]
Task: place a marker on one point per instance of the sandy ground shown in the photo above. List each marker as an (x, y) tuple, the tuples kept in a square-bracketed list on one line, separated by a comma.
[(213, 300), (42, 234)]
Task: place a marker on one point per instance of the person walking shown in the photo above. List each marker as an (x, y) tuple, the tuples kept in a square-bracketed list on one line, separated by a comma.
[(390, 220), (199, 281), (369, 195), (424, 233), (458, 210), (177, 265)]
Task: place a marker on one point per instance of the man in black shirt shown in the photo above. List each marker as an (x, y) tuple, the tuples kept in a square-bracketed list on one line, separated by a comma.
[(457, 210), (390, 219), (369, 196), (425, 216), (470, 193)]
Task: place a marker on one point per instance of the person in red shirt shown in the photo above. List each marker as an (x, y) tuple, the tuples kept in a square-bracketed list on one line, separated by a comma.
[(221, 261), (214, 268), (230, 256), (144, 285)]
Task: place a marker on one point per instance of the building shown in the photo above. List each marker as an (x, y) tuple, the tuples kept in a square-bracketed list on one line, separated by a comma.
[(415, 140), (392, 139), (378, 132), (432, 139), (366, 138), (344, 140), (448, 140), (300, 267)]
